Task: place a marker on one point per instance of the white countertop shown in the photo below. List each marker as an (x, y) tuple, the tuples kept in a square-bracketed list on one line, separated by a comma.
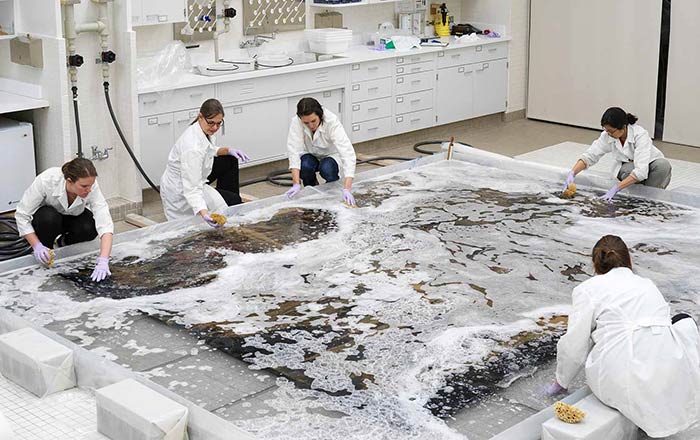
[(10, 102), (356, 54)]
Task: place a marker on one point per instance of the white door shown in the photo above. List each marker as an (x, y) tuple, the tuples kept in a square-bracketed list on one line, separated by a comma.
[(490, 87), (682, 91), (259, 129), (156, 142), (455, 97), (163, 11), (586, 56)]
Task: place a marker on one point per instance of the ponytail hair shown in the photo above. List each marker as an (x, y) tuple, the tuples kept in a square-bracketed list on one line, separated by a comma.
[(209, 109), (78, 168), (610, 252), (617, 118)]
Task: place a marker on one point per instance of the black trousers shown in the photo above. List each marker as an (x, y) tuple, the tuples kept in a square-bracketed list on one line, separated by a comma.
[(225, 173), (49, 224)]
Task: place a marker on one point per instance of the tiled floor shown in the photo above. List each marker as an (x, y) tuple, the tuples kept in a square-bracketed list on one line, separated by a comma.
[(489, 133), (67, 415)]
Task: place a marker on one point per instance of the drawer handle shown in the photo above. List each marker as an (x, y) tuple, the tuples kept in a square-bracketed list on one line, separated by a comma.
[(192, 95), (373, 109), (183, 120), (457, 55), (415, 59), (415, 120), (373, 128), (372, 88), (150, 101), (356, 87), (327, 94), (373, 68), (493, 50), (415, 69), (416, 81), (160, 124), (414, 101)]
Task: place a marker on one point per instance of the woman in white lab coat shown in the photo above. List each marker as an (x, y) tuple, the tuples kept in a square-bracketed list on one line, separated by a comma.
[(641, 361), (195, 162), (65, 206), (637, 160), (317, 142)]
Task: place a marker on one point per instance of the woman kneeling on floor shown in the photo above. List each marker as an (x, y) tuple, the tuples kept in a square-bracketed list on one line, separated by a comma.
[(642, 362)]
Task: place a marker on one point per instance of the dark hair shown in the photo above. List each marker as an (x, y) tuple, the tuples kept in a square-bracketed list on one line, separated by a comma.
[(78, 168), (610, 252), (617, 118), (209, 109), (309, 106)]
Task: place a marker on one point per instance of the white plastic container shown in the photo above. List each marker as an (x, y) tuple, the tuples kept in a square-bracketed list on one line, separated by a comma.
[(329, 40)]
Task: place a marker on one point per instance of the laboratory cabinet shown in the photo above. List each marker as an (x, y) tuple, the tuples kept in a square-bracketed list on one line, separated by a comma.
[(148, 12)]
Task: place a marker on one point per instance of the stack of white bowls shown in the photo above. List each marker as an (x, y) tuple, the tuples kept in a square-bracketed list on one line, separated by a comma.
[(329, 40)]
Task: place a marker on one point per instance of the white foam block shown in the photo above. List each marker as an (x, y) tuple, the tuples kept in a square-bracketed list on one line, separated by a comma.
[(5, 429), (600, 422), (36, 362), (128, 410)]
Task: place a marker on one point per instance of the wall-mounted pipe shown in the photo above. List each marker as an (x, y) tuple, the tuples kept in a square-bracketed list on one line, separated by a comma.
[(218, 31)]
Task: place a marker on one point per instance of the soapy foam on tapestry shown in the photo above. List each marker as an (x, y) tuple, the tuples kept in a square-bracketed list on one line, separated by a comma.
[(448, 283)]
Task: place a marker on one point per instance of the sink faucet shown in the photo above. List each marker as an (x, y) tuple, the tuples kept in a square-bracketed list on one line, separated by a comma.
[(257, 40)]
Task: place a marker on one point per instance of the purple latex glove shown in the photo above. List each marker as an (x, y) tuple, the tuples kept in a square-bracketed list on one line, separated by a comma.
[(238, 154), (294, 190), (569, 180), (41, 253), (210, 221), (101, 270), (554, 389), (348, 197), (608, 196)]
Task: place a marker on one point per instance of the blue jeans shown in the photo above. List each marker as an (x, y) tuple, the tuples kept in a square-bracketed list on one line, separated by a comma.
[(327, 167)]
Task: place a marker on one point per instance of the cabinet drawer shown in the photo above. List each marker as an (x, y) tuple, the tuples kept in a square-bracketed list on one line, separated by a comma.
[(375, 109), (414, 102), (451, 58), (415, 58), (487, 52), (364, 91), (414, 121), (426, 66), (373, 129), (414, 83), (370, 70), (157, 103)]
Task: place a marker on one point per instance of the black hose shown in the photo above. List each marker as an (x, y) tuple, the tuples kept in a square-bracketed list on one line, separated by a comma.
[(416, 147), (77, 120), (284, 178), (124, 141), (11, 244)]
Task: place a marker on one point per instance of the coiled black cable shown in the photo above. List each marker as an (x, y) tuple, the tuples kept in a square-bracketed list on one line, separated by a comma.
[(11, 244), (417, 146), (77, 120)]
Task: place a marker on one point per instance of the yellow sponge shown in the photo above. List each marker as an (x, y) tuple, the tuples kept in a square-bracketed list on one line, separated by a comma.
[(567, 413), (219, 219), (51, 260), (569, 192)]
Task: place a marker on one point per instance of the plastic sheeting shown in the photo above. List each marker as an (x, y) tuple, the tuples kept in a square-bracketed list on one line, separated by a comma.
[(165, 67), (128, 410), (5, 429), (36, 362), (600, 422)]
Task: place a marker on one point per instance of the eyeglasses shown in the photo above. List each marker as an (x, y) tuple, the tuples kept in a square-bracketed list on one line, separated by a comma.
[(612, 131), (214, 123)]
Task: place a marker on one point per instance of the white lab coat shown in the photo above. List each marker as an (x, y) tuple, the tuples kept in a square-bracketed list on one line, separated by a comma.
[(638, 148), (639, 363), (330, 139), (183, 187), (49, 188)]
